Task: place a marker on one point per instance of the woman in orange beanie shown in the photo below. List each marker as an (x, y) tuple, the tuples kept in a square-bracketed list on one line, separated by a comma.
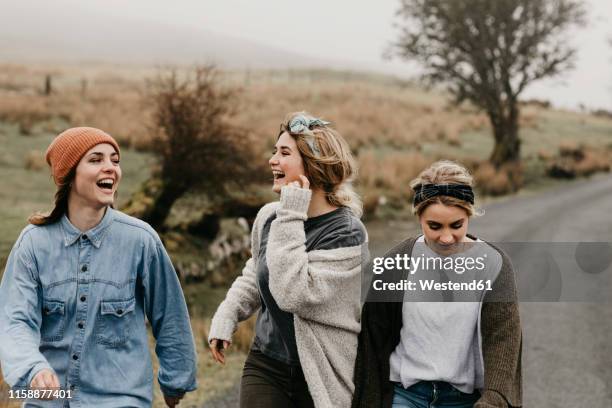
[(77, 286)]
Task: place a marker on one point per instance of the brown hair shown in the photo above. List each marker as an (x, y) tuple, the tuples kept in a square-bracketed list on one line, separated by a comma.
[(333, 168), (61, 202), (444, 172)]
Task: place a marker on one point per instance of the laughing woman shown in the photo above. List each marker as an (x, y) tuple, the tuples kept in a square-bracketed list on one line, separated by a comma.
[(420, 354), (77, 287), (303, 277)]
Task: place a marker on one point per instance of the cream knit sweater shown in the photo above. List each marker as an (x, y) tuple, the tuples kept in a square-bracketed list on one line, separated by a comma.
[(321, 288)]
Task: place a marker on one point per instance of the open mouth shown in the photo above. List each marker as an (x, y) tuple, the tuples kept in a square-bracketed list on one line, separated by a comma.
[(278, 175), (106, 184)]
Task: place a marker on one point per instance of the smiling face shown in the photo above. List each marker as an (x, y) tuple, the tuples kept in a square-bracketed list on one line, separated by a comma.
[(286, 162), (444, 227), (97, 177)]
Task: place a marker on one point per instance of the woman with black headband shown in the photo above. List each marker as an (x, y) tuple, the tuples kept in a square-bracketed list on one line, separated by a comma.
[(443, 348)]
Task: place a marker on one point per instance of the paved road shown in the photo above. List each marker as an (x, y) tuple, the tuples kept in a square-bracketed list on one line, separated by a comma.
[(567, 354), (567, 358)]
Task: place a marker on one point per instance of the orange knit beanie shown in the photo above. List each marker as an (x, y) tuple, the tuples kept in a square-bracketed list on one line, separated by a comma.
[(67, 149)]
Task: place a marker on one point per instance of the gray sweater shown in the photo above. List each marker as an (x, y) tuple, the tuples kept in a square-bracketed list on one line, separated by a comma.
[(321, 288), (274, 332)]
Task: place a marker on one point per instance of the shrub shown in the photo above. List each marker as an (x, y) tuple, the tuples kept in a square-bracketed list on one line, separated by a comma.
[(507, 179), (577, 160)]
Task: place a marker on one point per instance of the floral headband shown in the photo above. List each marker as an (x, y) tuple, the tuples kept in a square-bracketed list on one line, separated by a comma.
[(303, 125)]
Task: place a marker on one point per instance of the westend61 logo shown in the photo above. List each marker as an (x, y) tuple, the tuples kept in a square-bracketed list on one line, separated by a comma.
[(541, 271), (411, 264), (463, 275)]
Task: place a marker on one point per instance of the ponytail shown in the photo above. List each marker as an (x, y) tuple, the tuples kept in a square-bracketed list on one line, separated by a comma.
[(60, 206), (345, 196)]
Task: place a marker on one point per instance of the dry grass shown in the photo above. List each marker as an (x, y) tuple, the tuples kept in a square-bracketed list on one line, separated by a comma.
[(578, 160), (366, 113), (386, 177), (4, 401), (35, 160), (505, 180)]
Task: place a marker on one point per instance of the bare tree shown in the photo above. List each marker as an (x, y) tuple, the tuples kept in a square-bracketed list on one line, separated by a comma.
[(488, 52), (195, 140)]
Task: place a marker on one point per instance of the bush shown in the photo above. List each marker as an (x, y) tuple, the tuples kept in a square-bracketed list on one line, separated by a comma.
[(491, 181), (576, 160), (196, 141)]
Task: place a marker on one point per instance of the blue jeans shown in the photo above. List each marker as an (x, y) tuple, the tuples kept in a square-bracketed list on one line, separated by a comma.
[(432, 394)]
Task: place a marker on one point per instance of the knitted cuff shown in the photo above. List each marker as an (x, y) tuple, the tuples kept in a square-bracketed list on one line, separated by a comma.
[(222, 329), (295, 199), (491, 399)]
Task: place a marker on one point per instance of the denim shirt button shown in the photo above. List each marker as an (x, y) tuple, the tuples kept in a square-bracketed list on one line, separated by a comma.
[(84, 268), (80, 325), (84, 237), (75, 357), (83, 298)]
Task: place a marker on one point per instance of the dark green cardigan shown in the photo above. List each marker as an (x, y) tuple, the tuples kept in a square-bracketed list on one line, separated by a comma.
[(381, 323)]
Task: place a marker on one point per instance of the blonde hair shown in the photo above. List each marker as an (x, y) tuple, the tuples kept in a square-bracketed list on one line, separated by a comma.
[(444, 172), (332, 167)]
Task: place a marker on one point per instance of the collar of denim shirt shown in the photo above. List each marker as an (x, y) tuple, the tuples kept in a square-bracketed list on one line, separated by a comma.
[(95, 234)]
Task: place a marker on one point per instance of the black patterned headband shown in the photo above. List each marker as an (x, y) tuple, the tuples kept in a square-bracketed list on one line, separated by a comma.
[(426, 191)]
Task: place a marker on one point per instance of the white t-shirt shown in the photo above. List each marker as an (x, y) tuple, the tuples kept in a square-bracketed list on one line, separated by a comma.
[(440, 341)]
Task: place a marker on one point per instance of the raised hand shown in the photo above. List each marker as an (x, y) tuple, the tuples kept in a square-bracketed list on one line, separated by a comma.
[(302, 183)]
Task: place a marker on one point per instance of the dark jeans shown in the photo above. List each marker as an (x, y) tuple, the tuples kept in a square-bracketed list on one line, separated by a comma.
[(269, 383), (432, 394)]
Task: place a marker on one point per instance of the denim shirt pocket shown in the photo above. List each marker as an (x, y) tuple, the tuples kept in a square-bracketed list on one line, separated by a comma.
[(114, 322), (53, 320)]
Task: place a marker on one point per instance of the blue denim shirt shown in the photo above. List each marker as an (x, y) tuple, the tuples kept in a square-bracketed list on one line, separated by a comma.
[(76, 303)]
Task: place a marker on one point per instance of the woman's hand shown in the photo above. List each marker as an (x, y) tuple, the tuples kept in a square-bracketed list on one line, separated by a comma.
[(302, 183), (217, 348), (171, 402), (45, 379)]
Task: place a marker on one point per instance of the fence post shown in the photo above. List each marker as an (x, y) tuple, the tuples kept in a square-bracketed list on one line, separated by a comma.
[(48, 88)]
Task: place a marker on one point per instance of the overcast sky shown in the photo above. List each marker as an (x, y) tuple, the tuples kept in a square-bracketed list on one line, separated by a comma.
[(356, 30)]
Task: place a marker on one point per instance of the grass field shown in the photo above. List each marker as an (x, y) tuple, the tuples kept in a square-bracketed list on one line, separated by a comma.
[(394, 127)]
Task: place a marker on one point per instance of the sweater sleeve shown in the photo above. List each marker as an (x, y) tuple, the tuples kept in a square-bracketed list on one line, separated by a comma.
[(502, 342), (242, 298), (381, 322), (300, 281), (372, 362)]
